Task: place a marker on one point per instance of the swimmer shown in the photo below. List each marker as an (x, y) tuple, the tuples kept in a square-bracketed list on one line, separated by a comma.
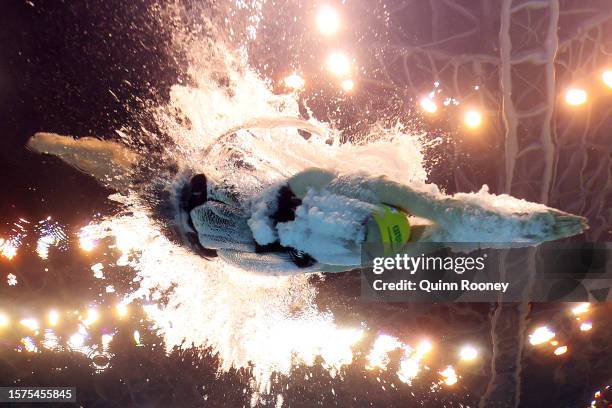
[(314, 221)]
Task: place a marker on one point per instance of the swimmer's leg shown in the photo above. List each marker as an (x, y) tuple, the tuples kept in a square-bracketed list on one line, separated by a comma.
[(109, 162)]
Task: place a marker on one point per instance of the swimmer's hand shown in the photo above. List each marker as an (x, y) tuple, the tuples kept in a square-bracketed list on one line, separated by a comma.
[(457, 220), (551, 224)]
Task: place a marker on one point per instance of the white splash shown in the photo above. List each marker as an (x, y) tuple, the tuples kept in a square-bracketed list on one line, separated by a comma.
[(8, 248), (11, 279), (379, 355), (270, 322), (97, 270)]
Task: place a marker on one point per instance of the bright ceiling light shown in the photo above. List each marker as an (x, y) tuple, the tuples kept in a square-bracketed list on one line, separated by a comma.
[(468, 353), (338, 63), (424, 347), (581, 308), (53, 318), (428, 105), (122, 309), (4, 320), (347, 85), (606, 77), (576, 96), (328, 20), (87, 244), (541, 335), (92, 316), (31, 324), (473, 119)]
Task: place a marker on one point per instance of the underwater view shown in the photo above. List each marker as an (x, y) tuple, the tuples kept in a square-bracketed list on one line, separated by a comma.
[(286, 203)]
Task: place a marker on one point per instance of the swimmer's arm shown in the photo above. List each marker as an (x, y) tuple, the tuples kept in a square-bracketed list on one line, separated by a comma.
[(310, 178), (443, 210), (372, 189), (382, 190), (415, 202), (550, 224)]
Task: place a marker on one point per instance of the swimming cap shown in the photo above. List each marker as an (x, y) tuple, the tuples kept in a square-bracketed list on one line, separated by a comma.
[(394, 227)]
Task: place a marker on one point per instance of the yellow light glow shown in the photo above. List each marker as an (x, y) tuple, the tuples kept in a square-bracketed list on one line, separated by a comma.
[(424, 347), (606, 77), (541, 335), (586, 326), (4, 320), (428, 105), (338, 64), (379, 355), (468, 353), (122, 309), (347, 85), (8, 249), (581, 308), (294, 81), (409, 368), (554, 343), (53, 318), (560, 350), (31, 324), (576, 96), (86, 243), (410, 363), (449, 375), (472, 119), (328, 20), (92, 316)]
